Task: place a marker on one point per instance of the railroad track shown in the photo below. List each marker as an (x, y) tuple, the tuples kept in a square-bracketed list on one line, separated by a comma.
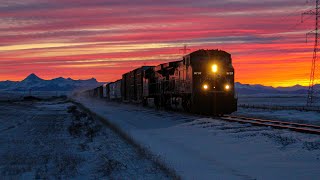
[(305, 128)]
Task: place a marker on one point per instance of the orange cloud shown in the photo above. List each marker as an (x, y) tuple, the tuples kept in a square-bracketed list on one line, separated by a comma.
[(102, 39)]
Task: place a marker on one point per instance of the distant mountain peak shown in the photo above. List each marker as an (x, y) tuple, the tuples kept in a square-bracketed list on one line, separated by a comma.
[(32, 77), (93, 79), (33, 82), (59, 79)]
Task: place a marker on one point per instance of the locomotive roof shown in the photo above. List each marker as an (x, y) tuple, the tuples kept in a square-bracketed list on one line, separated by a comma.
[(210, 51)]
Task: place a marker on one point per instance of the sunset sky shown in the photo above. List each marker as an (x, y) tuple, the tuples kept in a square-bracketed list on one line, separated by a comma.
[(82, 39)]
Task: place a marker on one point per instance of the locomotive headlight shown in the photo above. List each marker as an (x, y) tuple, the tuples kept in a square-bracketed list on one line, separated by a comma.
[(205, 86), (227, 87), (214, 68)]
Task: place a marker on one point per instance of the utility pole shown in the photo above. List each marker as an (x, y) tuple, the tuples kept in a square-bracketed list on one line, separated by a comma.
[(314, 75), (185, 49)]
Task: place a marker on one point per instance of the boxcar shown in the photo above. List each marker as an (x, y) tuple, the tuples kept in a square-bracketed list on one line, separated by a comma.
[(134, 88), (125, 87), (105, 92), (115, 90)]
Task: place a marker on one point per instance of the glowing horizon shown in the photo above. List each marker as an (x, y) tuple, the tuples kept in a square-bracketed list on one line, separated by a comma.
[(104, 39)]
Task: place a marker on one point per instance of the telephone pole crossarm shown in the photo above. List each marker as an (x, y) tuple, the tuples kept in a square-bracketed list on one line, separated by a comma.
[(184, 50)]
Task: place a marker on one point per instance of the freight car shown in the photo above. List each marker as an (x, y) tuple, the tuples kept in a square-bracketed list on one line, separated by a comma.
[(105, 90), (135, 85), (201, 82), (100, 92), (115, 90)]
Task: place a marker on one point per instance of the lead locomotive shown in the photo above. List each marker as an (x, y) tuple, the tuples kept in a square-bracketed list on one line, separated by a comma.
[(202, 82)]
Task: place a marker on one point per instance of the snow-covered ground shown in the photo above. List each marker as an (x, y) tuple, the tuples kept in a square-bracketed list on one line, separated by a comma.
[(274, 99), (205, 148), (41, 140), (269, 100), (19, 95), (309, 117)]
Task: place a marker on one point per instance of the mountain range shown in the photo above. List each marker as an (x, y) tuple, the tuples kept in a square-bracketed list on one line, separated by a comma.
[(33, 82), (258, 89)]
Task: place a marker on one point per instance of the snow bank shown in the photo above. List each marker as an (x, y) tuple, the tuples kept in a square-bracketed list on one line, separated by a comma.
[(206, 148)]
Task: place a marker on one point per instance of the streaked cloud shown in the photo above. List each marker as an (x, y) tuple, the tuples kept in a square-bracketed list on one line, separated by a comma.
[(105, 38)]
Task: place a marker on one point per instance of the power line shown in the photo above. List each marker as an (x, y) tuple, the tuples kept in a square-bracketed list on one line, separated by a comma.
[(293, 12), (290, 28), (294, 26), (314, 74)]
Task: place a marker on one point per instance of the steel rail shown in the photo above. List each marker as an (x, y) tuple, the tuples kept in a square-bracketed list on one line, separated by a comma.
[(305, 128), (274, 121)]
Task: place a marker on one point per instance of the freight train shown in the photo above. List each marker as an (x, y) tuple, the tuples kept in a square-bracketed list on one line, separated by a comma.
[(201, 82)]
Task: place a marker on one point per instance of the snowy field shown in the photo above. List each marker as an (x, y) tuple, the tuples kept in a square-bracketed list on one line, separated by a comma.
[(205, 148), (311, 117), (41, 140), (274, 99), (18, 95)]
